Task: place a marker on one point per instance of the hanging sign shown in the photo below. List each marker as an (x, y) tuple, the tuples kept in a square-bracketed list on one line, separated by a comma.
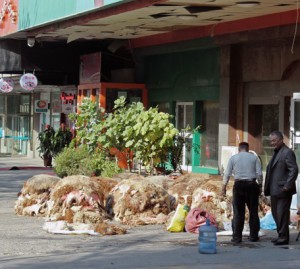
[(10, 81), (68, 101), (5, 86), (28, 82), (41, 106)]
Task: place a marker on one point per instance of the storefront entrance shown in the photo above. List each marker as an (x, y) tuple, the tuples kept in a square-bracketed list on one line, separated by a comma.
[(14, 125), (262, 120), (184, 119)]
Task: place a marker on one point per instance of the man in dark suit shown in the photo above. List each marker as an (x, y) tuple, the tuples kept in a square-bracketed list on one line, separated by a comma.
[(282, 172)]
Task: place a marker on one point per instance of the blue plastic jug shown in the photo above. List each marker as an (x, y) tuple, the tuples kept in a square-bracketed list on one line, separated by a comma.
[(207, 238)]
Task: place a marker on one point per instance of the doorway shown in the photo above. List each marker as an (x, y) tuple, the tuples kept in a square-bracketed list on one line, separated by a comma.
[(15, 121), (262, 120), (184, 118)]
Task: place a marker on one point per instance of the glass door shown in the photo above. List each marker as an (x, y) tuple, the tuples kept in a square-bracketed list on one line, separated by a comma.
[(184, 118), (17, 135)]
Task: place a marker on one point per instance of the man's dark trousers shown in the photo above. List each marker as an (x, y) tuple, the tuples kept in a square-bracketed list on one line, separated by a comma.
[(245, 193), (281, 213)]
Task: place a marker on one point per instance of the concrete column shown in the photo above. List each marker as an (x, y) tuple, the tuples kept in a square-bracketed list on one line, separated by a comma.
[(224, 99)]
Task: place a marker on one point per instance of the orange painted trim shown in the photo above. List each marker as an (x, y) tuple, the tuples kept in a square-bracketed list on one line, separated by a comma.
[(102, 98), (260, 22), (103, 86)]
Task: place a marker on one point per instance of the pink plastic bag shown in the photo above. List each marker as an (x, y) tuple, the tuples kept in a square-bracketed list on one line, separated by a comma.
[(195, 218)]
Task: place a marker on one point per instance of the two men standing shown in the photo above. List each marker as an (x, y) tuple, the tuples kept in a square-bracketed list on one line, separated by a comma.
[(281, 175)]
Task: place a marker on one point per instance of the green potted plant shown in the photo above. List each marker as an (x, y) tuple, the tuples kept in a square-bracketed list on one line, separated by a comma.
[(62, 138), (46, 145)]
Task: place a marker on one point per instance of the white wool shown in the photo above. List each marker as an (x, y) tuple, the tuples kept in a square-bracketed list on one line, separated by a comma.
[(123, 188), (62, 227), (80, 226), (21, 198), (50, 205), (32, 210), (54, 226), (76, 208)]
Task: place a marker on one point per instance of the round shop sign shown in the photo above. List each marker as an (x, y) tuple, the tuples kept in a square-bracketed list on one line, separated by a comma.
[(41, 104), (10, 81), (28, 82), (5, 86)]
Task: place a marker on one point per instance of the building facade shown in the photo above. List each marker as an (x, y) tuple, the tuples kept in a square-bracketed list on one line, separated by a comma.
[(231, 70)]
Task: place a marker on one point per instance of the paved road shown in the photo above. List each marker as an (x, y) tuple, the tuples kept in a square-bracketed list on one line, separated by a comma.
[(25, 245)]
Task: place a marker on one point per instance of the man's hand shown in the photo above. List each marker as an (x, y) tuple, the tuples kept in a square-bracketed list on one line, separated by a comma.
[(285, 189), (260, 189), (223, 192)]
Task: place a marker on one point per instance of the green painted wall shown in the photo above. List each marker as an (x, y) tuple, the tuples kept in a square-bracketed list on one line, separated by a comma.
[(189, 76), (184, 76), (37, 12)]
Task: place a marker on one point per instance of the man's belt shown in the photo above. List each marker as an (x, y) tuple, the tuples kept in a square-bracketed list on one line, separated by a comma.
[(245, 180)]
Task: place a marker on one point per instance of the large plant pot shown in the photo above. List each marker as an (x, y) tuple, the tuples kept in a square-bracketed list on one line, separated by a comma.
[(47, 161)]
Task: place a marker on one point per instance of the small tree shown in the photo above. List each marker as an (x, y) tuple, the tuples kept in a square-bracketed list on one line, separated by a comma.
[(131, 129), (147, 133), (88, 124)]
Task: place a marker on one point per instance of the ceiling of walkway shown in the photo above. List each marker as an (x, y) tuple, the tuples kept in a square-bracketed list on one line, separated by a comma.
[(135, 19)]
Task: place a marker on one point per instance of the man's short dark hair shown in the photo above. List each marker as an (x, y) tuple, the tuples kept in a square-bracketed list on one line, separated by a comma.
[(277, 134), (244, 146)]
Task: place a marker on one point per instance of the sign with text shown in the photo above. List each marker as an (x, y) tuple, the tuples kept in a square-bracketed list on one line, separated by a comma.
[(28, 81), (68, 101), (40, 106)]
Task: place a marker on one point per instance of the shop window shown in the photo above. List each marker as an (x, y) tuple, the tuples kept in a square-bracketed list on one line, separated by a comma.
[(55, 110), (163, 107), (24, 103), (209, 134), (131, 95), (1, 104), (13, 104), (184, 118), (263, 119)]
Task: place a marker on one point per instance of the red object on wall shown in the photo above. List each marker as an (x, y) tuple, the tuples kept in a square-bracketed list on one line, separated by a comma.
[(9, 22)]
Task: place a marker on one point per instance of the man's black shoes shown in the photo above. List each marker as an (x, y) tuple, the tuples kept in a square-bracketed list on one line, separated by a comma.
[(236, 240), (253, 239), (274, 240), (281, 242)]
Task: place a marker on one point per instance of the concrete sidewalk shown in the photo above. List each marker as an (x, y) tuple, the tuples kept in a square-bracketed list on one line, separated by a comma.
[(9, 162)]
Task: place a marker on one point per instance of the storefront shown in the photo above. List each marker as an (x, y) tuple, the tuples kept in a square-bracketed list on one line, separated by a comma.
[(24, 114), (15, 124)]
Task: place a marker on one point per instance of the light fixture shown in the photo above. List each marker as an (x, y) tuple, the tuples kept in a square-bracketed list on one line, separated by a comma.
[(30, 41), (187, 17), (247, 4)]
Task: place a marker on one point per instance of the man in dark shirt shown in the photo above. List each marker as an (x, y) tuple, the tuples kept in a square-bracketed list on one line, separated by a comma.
[(282, 172)]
